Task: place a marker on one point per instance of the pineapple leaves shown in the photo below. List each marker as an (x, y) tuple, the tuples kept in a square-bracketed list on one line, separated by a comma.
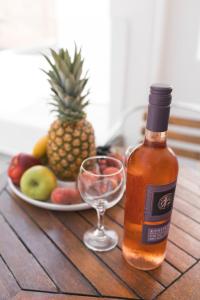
[(85, 104), (51, 75), (77, 65), (62, 53), (78, 72), (84, 96), (67, 58), (56, 57), (80, 86), (52, 65), (67, 84)]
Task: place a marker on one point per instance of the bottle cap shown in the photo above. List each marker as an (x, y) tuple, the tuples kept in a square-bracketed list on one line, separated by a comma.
[(160, 94), (159, 107)]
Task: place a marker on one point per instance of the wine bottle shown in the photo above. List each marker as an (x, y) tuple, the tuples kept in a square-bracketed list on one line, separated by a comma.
[(152, 170)]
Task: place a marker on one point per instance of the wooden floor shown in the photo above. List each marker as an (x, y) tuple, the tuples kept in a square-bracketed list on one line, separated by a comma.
[(42, 255)]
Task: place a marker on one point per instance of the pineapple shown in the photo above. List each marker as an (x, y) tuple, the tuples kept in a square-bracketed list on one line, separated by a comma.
[(71, 137)]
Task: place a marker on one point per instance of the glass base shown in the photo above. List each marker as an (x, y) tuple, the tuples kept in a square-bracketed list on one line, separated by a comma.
[(100, 240)]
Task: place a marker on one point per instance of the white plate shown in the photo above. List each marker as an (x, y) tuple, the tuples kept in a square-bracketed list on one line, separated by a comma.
[(49, 205)]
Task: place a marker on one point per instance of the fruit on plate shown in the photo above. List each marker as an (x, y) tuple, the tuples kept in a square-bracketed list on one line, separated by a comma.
[(104, 150), (71, 137), (102, 164), (87, 178), (40, 148), (112, 180), (64, 195), (113, 170), (38, 182), (116, 155), (19, 164), (113, 152)]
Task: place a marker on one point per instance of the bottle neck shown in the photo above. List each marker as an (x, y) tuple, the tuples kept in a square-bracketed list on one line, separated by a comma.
[(155, 139)]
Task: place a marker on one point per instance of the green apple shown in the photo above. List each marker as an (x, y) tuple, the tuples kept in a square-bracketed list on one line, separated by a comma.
[(38, 182)]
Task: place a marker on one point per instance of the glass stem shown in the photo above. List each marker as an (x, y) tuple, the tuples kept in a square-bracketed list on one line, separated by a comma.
[(100, 218)]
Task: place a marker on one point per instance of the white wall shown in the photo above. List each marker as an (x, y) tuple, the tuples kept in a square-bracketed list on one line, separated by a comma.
[(25, 92), (138, 16), (151, 41), (27, 23), (162, 45), (135, 76), (180, 63)]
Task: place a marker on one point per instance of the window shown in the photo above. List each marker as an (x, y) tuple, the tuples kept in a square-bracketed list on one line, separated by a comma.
[(28, 28)]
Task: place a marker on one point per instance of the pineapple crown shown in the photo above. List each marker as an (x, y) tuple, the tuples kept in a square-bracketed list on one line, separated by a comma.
[(67, 85)]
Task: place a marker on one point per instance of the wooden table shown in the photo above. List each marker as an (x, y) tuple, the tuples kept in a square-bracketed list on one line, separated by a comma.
[(42, 255)]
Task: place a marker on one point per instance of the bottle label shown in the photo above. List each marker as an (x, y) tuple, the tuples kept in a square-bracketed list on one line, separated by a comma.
[(158, 207), (155, 233), (159, 202)]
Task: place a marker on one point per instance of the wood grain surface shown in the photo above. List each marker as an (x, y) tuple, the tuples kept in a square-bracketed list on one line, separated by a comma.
[(42, 255)]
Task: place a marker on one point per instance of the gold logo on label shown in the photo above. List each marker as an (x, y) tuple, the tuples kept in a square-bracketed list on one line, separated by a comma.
[(165, 201)]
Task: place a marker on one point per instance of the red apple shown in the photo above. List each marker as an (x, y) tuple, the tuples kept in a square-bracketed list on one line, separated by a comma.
[(64, 195), (19, 164)]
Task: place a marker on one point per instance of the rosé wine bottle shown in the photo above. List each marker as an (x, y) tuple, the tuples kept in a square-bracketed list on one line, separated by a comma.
[(152, 170)]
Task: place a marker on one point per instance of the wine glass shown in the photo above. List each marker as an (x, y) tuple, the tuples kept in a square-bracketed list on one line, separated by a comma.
[(101, 183)]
